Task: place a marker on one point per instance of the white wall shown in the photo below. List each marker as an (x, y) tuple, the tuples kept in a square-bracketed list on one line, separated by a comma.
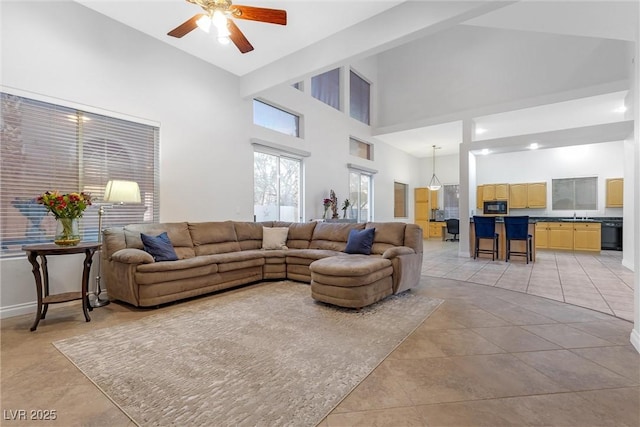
[(605, 160), (62, 50), (466, 68)]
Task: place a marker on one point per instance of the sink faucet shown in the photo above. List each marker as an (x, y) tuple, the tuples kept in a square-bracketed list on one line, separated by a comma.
[(574, 216)]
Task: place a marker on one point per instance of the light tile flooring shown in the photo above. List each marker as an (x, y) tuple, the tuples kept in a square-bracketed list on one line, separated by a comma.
[(596, 281), (486, 357)]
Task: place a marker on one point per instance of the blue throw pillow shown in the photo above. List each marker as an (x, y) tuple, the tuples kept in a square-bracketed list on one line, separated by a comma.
[(159, 247), (360, 241)]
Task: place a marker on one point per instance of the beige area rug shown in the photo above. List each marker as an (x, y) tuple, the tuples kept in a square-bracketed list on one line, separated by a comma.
[(263, 356)]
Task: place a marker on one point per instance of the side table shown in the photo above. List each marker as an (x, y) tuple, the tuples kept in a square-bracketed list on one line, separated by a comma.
[(42, 280)]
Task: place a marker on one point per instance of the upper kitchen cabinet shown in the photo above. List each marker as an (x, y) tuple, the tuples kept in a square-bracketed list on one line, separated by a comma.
[(495, 192), (614, 192), (531, 195)]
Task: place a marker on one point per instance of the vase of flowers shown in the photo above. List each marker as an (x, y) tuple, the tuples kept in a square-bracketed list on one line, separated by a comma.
[(345, 206), (67, 209), (326, 203)]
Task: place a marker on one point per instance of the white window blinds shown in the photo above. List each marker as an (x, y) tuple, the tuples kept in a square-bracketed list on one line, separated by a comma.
[(48, 147)]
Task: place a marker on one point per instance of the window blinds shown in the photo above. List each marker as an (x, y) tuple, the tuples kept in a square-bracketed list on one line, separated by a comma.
[(48, 147)]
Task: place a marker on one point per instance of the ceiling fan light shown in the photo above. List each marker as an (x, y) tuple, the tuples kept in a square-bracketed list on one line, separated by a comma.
[(204, 23), (223, 40), (219, 20)]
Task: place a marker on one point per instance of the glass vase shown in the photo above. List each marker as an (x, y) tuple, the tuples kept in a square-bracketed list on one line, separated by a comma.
[(67, 232)]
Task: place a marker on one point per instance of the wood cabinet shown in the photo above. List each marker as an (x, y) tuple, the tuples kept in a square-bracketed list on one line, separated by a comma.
[(568, 236), (615, 190), (586, 236), (531, 195), (480, 199), (434, 199), (435, 228), (421, 210), (495, 192)]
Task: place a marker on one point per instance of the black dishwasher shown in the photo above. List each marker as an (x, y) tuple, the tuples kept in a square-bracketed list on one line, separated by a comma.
[(611, 235)]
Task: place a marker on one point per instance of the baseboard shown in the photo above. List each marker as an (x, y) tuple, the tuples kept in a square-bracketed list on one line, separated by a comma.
[(635, 339), (18, 309)]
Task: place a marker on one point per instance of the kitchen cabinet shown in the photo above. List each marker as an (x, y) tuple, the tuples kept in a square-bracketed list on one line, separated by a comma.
[(615, 189), (579, 236), (495, 192), (434, 199), (586, 236), (532, 195), (480, 199)]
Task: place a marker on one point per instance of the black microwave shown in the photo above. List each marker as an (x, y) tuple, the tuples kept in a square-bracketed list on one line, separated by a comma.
[(496, 207)]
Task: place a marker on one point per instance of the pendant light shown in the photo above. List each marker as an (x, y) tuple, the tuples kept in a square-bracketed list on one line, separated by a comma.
[(434, 184)]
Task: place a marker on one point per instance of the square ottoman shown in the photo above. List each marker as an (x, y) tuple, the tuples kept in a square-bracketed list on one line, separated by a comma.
[(353, 281)]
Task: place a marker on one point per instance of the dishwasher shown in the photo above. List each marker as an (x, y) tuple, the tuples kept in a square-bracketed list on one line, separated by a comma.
[(611, 235)]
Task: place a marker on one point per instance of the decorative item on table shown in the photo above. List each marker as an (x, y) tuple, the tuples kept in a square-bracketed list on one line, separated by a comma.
[(326, 203), (67, 209), (345, 206), (334, 205)]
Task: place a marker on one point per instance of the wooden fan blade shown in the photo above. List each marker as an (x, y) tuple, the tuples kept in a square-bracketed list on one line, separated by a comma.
[(272, 16), (186, 27), (238, 38)]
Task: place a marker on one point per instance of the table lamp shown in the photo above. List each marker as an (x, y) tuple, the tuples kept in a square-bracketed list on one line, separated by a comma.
[(118, 192)]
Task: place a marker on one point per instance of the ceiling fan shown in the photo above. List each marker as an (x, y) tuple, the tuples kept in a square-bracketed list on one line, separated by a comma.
[(219, 12)]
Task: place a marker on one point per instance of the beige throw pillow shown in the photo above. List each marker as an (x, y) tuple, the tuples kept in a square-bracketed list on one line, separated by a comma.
[(274, 237)]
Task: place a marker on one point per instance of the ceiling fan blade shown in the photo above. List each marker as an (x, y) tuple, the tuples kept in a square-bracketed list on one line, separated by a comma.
[(238, 38), (272, 16), (186, 27)]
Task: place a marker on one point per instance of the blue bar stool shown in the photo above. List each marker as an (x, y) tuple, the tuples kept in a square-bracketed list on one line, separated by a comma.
[(517, 228), (485, 228)]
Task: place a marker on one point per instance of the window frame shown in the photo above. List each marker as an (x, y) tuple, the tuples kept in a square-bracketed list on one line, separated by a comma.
[(400, 207), (353, 73), (356, 201), (276, 108), (355, 151), (326, 96), (586, 182)]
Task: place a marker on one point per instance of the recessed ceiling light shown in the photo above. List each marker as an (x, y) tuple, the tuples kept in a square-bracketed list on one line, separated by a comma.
[(480, 131), (533, 146), (622, 109), (484, 151)]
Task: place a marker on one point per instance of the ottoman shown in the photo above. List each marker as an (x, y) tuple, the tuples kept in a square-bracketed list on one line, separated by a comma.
[(353, 281)]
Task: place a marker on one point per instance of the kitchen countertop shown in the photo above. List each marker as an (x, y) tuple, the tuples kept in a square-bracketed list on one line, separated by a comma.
[(535, 219)]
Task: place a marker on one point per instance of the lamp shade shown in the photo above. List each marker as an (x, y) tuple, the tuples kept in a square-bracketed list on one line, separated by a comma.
[(118, 191)]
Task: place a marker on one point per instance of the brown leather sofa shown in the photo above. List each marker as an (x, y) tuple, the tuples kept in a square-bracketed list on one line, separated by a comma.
[(219, 255)]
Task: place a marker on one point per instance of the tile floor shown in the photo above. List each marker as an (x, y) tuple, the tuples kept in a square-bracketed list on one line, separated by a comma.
[(487, 356), (596, 281)]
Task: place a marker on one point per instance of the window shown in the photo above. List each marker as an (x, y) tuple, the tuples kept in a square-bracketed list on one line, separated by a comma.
[(299, 86), (326, 88), (575, 193), (399, 200), (359, 98), (360, 195), (274, 118), (276, 187), (51, 147), (360, 149), (451, 201)]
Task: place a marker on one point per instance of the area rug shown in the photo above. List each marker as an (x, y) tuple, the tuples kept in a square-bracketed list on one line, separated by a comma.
[(267, 355)]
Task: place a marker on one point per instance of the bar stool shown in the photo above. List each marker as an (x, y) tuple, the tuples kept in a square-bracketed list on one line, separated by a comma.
[(517, 228), (485, 228)]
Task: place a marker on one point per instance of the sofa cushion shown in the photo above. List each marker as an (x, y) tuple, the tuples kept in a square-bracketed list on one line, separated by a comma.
[(388, 234), (300, 233), (249, 234), (274, 237), (178, 233), (214, 237), (360, 241), (159, 247), (332, 236)]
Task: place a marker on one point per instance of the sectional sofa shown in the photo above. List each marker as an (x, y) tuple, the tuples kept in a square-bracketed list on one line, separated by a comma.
[(213, 256)]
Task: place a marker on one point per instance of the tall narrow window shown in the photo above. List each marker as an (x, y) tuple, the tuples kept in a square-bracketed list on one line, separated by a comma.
[(326, 88), (451, 201), (276, 187), (51, 147), (400, 200), (359, 98), (360, 195), (274, 118)]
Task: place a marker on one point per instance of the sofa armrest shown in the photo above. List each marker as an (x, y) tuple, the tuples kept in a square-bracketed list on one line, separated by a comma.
[(132, 256), (397, 251)]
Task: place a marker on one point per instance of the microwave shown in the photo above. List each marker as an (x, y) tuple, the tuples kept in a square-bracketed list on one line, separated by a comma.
[(496, 207)]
